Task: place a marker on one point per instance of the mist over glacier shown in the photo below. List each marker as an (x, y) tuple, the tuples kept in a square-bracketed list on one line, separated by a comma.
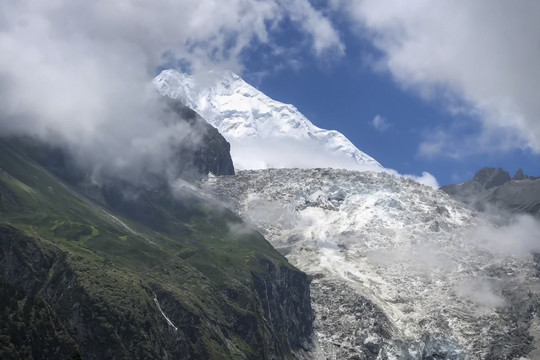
[(432, 273)]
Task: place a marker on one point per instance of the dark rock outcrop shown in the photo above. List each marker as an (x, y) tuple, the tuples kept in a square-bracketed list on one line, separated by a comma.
[(212, 153), (285, 298), (484, 179), (491, 177), (520, 175)]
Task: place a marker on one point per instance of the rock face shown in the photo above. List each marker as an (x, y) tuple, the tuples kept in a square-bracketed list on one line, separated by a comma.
[(33, 330), (62, 318), (42, 274), (286, 301), (191, 281), (521, 196), (493, 190), (490, 177), (520, 175), (400, 271), (213, 153)]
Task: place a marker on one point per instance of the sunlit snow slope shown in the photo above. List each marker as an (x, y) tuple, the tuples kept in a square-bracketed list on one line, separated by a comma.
[(263, 133), (401, 271)]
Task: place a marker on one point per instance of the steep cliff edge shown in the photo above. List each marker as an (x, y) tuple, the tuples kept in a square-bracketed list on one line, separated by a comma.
[(213, 153)]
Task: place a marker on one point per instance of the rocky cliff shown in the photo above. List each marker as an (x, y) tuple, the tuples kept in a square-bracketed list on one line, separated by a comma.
[(212, 154)]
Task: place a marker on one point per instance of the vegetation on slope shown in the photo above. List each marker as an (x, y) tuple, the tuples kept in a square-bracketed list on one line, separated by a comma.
[(174, 277)]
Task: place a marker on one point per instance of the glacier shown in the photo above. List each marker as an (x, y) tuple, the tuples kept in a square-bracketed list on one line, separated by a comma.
[(400, 270), (263, 133)]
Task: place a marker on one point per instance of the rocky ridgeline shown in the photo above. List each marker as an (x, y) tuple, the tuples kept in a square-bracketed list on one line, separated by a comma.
[(493, 190)]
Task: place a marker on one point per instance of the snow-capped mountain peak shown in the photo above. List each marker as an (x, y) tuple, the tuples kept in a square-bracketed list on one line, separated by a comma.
[(263, 132)]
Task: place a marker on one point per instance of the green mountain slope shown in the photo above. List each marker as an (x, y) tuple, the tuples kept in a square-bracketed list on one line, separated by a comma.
[(160, 274)]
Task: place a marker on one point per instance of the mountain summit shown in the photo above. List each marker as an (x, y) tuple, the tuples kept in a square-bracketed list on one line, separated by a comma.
[(264, 133)]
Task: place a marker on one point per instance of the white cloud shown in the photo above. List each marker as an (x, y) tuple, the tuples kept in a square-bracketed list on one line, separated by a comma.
[(482, 55), (456, 143), (380, 123), (518, 238), (324, 34), (481, 292), (438, 144), (81, 71), (430, 149), (426, 179)]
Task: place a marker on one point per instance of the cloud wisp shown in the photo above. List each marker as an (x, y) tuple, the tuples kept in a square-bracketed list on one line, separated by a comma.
[(380, 123)]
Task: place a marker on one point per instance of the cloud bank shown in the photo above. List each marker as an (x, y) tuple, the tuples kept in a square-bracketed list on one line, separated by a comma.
[(79, 73), (481, 57), (519, 237)]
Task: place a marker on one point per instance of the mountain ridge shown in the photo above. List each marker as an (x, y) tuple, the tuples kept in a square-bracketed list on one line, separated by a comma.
[(493, 190), (252, 122)]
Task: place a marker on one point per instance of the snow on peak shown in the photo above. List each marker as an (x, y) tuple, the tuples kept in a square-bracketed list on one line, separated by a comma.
[(264, 133)]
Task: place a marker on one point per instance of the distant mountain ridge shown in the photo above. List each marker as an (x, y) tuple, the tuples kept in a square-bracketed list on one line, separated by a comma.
[(494, 188), (263, 133)]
